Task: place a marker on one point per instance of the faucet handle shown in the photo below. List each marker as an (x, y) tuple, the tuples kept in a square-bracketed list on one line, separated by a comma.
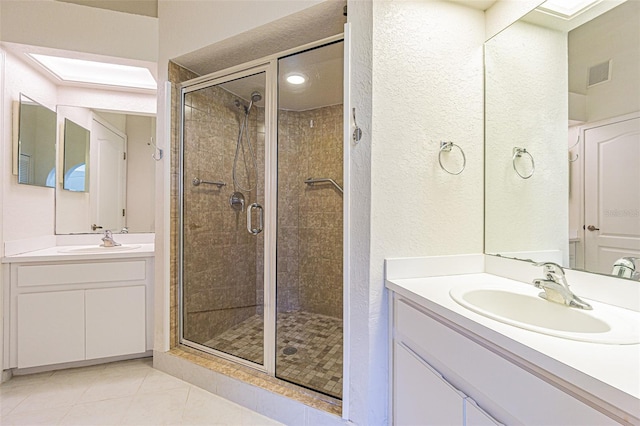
[(551, 267)]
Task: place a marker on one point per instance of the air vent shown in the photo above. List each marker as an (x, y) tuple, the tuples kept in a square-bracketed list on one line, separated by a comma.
[(600, 73)]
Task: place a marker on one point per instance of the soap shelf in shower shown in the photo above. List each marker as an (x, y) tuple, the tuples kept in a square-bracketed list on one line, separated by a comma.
[(311, 181)]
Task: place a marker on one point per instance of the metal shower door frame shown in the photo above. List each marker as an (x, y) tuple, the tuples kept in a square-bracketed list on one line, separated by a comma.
[(270, 68)]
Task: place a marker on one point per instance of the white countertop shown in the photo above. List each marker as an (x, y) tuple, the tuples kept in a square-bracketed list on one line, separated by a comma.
[(607, 373), (66, 253)]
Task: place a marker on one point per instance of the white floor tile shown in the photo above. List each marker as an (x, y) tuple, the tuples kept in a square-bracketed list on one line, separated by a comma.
[(109, 412), (123, 393), (50, 416), (204, 408), (159, 408), (112, 387), (51, 396), (156, 381)]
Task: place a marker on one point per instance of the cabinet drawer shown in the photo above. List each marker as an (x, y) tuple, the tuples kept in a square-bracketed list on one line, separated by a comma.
[(97, 272), (421, 395), (501, 387)]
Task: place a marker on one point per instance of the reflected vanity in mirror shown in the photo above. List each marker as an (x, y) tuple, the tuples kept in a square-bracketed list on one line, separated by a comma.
[(35, 145), (76, 156), (565, 88), (109, 172)]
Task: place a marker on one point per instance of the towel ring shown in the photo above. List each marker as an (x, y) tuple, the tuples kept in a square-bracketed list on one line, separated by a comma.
[(518, 153), (447, 147)]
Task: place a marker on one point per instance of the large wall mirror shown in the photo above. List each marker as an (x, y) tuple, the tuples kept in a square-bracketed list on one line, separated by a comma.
[(563, 137), (112, 151), (35, 162), (75, 175)]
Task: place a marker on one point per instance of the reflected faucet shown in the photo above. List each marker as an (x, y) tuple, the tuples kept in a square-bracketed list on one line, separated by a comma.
[(556, 288), (107, 240), (625, 267)]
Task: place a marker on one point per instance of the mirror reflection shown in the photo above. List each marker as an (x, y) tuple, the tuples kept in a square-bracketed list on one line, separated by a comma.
[(36, 154), (566, 90), (76, 155), (119, 173)]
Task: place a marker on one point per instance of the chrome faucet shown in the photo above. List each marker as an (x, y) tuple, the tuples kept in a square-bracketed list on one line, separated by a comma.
[(556, 288), (626, 267), (108, 241)]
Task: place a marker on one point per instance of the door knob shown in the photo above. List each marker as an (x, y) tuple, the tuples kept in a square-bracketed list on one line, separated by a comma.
[(592, 228)]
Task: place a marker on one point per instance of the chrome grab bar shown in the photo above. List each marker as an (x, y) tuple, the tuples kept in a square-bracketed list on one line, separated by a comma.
[(252, 230), (311, 181), (196, 182)]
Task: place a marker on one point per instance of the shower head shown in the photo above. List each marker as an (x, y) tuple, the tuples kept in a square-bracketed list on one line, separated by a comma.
[(256, 97)]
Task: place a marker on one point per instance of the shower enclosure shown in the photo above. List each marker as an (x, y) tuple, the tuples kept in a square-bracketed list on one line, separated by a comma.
[(261, 217)]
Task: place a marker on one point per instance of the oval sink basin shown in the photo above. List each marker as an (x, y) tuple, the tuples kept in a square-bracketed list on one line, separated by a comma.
[(99, 249), (521, 307)]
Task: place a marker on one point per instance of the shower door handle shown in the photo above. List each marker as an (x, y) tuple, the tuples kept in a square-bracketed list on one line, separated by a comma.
[(250, 228)]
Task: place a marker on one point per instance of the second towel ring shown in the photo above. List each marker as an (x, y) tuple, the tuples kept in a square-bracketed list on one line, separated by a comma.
[(518, 153), (447, 147)]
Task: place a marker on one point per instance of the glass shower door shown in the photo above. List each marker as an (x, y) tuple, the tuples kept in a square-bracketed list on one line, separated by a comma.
[(223, 192)]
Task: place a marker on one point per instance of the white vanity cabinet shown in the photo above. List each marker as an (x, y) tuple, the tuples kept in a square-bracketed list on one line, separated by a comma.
[(70, 311), (440, 375)]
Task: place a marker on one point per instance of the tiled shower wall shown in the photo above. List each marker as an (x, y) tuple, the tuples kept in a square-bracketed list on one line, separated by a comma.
[(310, 217), (223, 262), (220, 272)]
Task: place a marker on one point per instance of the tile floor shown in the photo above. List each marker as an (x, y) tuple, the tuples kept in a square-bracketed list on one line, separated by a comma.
[(121, 393), (309, 350)]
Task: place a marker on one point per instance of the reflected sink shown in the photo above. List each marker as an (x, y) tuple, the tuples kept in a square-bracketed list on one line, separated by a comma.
[(99, 249), (521, 307)]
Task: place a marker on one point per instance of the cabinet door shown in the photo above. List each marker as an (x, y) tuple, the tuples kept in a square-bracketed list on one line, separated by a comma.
[(115, 321), (421, 395), (476, 416), (50, 328)]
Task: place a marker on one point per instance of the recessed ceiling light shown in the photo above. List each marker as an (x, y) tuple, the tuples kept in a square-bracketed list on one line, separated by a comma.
[(296, 79), (566, 9), (82, 71)]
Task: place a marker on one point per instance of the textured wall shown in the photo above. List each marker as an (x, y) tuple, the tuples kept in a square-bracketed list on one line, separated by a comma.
[(526, 106), (310, 217)]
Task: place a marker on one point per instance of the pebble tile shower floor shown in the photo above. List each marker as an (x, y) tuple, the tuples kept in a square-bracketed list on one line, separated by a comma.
[(309, 348)]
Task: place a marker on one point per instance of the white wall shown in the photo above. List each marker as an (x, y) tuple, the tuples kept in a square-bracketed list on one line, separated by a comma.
[(614, 36), (526, 106), (28, 211), (366, 387)]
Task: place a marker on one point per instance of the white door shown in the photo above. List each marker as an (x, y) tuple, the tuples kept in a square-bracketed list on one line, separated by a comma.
[(115, 321), (50, 328), (612, 194), (109, 172)]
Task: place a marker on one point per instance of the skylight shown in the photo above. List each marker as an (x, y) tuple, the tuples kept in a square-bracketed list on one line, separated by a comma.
[(566, 9), (82, 71)]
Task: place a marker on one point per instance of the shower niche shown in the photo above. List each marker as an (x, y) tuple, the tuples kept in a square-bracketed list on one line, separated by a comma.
[(260, 247)]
